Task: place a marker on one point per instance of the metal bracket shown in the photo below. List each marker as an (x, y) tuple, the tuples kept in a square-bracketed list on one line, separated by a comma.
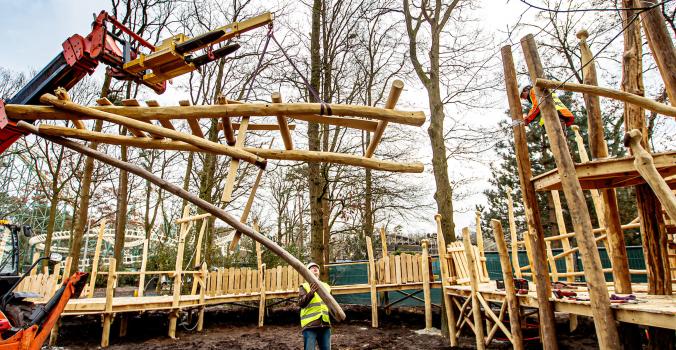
[(3, 115)]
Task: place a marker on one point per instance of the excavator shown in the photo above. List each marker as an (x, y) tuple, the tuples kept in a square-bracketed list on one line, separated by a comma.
[(23, 324)]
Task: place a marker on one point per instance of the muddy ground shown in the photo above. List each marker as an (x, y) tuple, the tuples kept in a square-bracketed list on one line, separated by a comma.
[(235, 328)]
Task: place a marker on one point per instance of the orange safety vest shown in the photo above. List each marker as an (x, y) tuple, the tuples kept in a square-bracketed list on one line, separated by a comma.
[(564, 113)]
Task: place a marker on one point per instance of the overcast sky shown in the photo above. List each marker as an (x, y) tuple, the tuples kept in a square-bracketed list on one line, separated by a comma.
[(33, 31)]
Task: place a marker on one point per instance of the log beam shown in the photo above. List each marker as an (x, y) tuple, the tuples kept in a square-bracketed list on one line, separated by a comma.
[(395, 92), (283, 125), (291, 110), (296, 155), (535, 231)]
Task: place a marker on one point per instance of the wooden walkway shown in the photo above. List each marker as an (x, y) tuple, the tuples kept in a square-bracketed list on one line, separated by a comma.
[(651, 310)]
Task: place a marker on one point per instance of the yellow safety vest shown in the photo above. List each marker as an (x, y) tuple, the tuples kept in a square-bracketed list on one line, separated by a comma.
[(563, 111), (315, 309)]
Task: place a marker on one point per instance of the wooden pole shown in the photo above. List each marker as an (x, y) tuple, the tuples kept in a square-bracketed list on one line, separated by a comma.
[(510, 291), (445, 274), (303, 111), (333, 306), (157, 130), (480, 243), (661, 45), (474, 285), (643, 162), (426, 283), (203, 275), (144, 263), (261, 279), (599, 149), (535, 231), (247, 207), (228, 131), (110, 293), (178, 275), (283, 125), (198, 252), (372, 281), (565, 242), (296, 154), (95, 262), (234, 163), (604, 320), (627, 97), (514, 239), (393, 97)]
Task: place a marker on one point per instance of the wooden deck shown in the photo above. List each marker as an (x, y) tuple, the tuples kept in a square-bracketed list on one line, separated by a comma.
[(651, 310), (609, 173)]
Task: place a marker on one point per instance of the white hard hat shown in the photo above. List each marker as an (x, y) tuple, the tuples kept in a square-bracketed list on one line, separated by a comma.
[(310, 264)]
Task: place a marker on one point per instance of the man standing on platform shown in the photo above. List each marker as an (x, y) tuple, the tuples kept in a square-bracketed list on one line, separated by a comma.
[(314, 314)]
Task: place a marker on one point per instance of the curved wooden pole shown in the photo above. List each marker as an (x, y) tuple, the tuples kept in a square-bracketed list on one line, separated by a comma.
[(290, 110), (296, 154), (610, 93), (643, 162), (204, 205), (154, 129)]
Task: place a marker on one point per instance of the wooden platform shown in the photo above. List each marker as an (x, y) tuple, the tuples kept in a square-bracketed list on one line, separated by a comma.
[(89, 306), (652, 310), (610, 173)]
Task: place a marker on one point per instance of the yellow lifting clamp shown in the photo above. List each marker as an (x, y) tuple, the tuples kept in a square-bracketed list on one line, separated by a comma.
[(173, 57)]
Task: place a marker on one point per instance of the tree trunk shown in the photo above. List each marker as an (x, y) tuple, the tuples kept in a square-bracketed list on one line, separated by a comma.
[(53, 202), (314, 175), (83, 210)]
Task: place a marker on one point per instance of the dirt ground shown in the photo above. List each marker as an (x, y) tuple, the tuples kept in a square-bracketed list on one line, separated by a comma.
[(235, 328)]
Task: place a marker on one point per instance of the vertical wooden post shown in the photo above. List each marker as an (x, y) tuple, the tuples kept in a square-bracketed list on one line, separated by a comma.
[(142, 273), (510, 291), (535, 230), (393, 97), (480, 243), (178, 274), (474, 285), (95, 262), (514, 238), (445, 274), (36, 256), (604, 319), (372, 281), (616, 246), (228, 132), (383, 243), (565, 243), (198, 252), (261, 279), (234, 163), (283, 125), (108, 313), (426, 283), (204, 273), (659, 40)]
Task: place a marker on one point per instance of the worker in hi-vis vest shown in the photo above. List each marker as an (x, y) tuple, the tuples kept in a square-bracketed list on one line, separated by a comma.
[(314, 314), (565, 115)]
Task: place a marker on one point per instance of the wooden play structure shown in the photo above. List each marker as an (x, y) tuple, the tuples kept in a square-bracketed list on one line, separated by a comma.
[(178, 128), (652, 175)]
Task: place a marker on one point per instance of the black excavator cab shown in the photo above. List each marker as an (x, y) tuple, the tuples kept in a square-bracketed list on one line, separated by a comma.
[(9, 253)]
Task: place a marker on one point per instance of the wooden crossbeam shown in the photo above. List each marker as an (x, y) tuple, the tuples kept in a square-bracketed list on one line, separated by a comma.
[(195, 141), (395, 92), (132, 102), (302, 111), (295, 155), (226, 124), (234, 163), (284, 127), (192, 122), (256, 127), (164, 122)]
